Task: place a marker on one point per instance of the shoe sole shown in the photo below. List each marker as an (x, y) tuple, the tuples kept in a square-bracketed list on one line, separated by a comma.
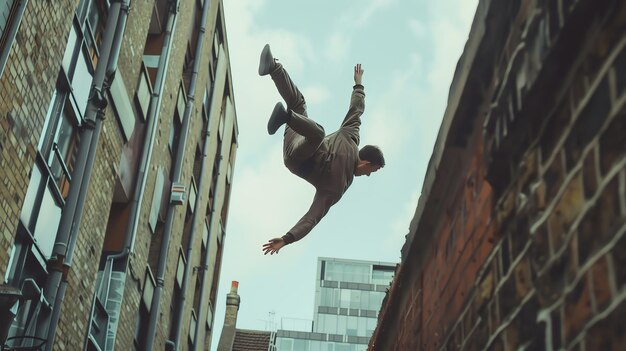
[(266, 55), (273, 124)]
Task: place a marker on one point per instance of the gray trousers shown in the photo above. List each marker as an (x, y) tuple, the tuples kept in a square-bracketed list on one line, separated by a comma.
[(302, 135)]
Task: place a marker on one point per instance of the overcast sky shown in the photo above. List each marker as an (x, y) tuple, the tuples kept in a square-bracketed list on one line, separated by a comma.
[(409, 50)]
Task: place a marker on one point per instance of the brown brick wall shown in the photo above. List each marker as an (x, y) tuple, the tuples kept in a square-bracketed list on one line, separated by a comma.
[(162, 157), (529, 241), (26, 86), (25, 93)]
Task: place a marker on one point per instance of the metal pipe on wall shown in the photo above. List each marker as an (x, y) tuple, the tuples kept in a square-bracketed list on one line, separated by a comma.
[(56, 285), (177, 322), (167, 232), (152, 119)]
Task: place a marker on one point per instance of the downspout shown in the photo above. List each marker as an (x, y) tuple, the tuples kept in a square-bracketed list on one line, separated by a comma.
[(207, 258), (221, 69), (160, 276), (72, 211), (186, 115), (152, 118)]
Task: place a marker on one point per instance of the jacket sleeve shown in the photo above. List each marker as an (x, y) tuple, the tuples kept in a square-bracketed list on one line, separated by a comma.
[(352, 121), (320, 206)]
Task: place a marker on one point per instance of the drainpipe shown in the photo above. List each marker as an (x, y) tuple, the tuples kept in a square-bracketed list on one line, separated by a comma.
[(221, 70), (206, 262), (167, 230), (72, 211), (152, 118), (186, 115)]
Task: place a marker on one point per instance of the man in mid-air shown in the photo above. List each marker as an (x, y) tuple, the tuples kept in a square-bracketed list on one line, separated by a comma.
[(330, 162)]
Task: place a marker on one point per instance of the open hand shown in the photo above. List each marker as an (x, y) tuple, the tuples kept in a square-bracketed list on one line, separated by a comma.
[(358, 73), (273, 245)]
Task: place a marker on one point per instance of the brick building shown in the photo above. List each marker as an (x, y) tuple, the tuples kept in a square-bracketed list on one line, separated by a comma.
[(118, 136), (519, 238)]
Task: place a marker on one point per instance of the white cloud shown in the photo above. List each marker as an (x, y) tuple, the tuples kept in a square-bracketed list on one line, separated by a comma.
[(338, 47), (315, 94), (348, 24), (417, 28), (454, 28), (370, 10)]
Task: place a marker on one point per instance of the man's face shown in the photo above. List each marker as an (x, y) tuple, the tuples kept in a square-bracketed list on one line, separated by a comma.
[(366, 168)]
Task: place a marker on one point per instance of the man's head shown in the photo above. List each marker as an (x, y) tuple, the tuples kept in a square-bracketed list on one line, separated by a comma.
[(371, 159)]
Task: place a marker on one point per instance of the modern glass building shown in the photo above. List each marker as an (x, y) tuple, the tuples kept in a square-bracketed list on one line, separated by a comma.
[(348, 295)]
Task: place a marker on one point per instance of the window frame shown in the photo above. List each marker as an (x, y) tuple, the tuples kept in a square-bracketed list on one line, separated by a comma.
[(7, 37)]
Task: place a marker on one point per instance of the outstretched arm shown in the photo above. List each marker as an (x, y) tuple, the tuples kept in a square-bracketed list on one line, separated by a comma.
[(320, 206), (352, 121)]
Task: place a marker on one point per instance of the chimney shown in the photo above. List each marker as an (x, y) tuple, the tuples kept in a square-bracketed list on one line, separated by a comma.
[(230, 319)]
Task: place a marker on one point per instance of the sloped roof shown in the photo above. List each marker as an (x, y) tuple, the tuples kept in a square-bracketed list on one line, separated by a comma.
[(251, 340)]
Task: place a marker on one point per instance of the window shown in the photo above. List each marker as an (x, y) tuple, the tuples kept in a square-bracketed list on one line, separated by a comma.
[(7, 11), (206, 105), (92, 28), (351, 326), (185, 238), (221, 127), (174, 135), (51, 176), (176, 302), (216, 271), (209, 316), (11, 12), (41, 212), (198, 288), (286, 344), (382, 274), (229, 180), (197, 163), (122, 106), (155, 38), (217, 43), (157, 197), (192, 328), (347, 272), (144, 93), (143, 317), (192, 196), (205, 242), (188, 65), (59, 140), (213, 187), (194, 31), (181, 102), (300, 344)]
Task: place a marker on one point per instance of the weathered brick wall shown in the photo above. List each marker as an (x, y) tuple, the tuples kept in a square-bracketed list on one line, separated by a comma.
[(561, 209), (162, 157), (26, 86), (533, 258), (73, 323), (461, 246)]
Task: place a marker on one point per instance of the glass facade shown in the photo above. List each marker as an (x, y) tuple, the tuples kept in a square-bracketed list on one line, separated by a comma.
[(348, 295)]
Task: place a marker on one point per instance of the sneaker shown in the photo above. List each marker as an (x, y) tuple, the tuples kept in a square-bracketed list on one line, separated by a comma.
[(278, 118), (267, 61)]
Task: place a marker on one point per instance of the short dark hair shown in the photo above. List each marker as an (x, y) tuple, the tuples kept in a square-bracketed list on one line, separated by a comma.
[(372, 154)]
